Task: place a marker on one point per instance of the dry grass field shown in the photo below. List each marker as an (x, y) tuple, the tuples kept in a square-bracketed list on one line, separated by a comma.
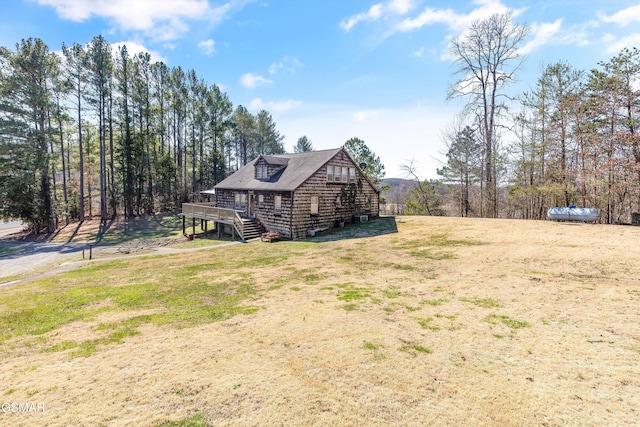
[(405, 321)]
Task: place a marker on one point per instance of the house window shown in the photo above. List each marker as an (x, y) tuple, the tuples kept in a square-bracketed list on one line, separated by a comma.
[(261, 172), (240, 201), (329, 173), (337, 174), (352, 175), (345, 172), (260, 200), (314, 205), (277, 205)]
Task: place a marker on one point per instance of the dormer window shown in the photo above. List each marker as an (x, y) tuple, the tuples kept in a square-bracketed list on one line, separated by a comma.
[(269, 167), (262, 172)]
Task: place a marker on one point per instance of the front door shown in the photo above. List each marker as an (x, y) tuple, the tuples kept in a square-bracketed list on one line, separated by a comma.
[(251, 205)]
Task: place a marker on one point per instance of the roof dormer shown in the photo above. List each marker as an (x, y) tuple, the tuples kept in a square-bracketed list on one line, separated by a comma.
[(267, 167)]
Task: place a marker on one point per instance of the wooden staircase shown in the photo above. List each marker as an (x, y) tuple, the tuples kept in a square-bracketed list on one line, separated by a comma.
[(250, 228)]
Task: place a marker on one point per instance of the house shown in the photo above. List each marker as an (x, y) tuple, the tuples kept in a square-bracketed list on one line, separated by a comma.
[(295, 194)]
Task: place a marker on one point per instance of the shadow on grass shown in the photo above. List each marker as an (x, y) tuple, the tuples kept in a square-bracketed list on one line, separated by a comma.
[(143, 227), (376, 227)]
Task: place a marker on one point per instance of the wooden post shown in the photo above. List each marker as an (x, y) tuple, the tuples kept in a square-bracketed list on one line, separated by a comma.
[(184, 230), (218, 228), (193, 226)]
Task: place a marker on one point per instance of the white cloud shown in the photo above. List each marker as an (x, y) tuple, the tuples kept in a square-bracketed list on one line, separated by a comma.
[(378, 11), (418, 53), (289, 64), (401, 6), (372, 14), (542, 34), (273, 68), (276, 107), (251, 80), (159, 19), (454, 21), (623, 17), (365, 115), (133, 48), (616, 45), (208, 46)]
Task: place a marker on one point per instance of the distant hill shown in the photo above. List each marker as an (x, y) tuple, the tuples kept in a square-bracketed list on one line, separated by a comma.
[(399, 189)]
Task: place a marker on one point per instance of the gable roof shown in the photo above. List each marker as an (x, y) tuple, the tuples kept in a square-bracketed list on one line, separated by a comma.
[(299, 167)]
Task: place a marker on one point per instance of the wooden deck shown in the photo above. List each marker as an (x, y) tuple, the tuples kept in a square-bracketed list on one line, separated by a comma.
[(245, 228), (209, 212)]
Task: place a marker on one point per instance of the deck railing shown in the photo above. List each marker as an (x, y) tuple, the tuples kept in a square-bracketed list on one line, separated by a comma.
[(209, 212)]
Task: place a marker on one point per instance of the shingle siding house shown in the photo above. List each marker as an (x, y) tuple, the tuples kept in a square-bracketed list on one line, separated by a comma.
[(295, 193)]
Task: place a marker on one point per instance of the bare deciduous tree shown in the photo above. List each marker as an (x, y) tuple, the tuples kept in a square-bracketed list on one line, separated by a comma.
[(487, 57)]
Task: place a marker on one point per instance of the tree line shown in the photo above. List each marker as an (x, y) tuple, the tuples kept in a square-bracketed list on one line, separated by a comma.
[(571, 139), (97, 123)]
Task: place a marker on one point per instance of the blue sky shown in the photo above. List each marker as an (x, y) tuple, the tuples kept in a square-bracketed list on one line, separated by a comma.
[(333, 69)]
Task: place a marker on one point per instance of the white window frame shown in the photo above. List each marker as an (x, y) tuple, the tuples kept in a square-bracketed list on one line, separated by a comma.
[(337, 173), (329, 173), (352, 175), (240, 201), (260, 200), (345, 174), (315, 205), (277, 204)]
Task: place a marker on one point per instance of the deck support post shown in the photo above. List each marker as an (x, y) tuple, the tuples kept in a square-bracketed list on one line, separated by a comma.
[(184, 225), (193, 226)]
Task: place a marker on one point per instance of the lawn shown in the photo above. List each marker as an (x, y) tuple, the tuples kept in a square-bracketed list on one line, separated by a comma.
[(405, 321)]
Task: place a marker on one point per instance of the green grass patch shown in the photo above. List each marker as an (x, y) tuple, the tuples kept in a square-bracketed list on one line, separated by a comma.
[(313, 278), (371, 346), (65, 345), (425, 323), (89, 347), (434, 302), (507, 321), (353, 294), (392, 292), (201, 242), (349, 292), (436, 255), (179, 295), (350, 307), (295, 288), (483, 302), (445, 316), (413, 348), (195, 421)]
